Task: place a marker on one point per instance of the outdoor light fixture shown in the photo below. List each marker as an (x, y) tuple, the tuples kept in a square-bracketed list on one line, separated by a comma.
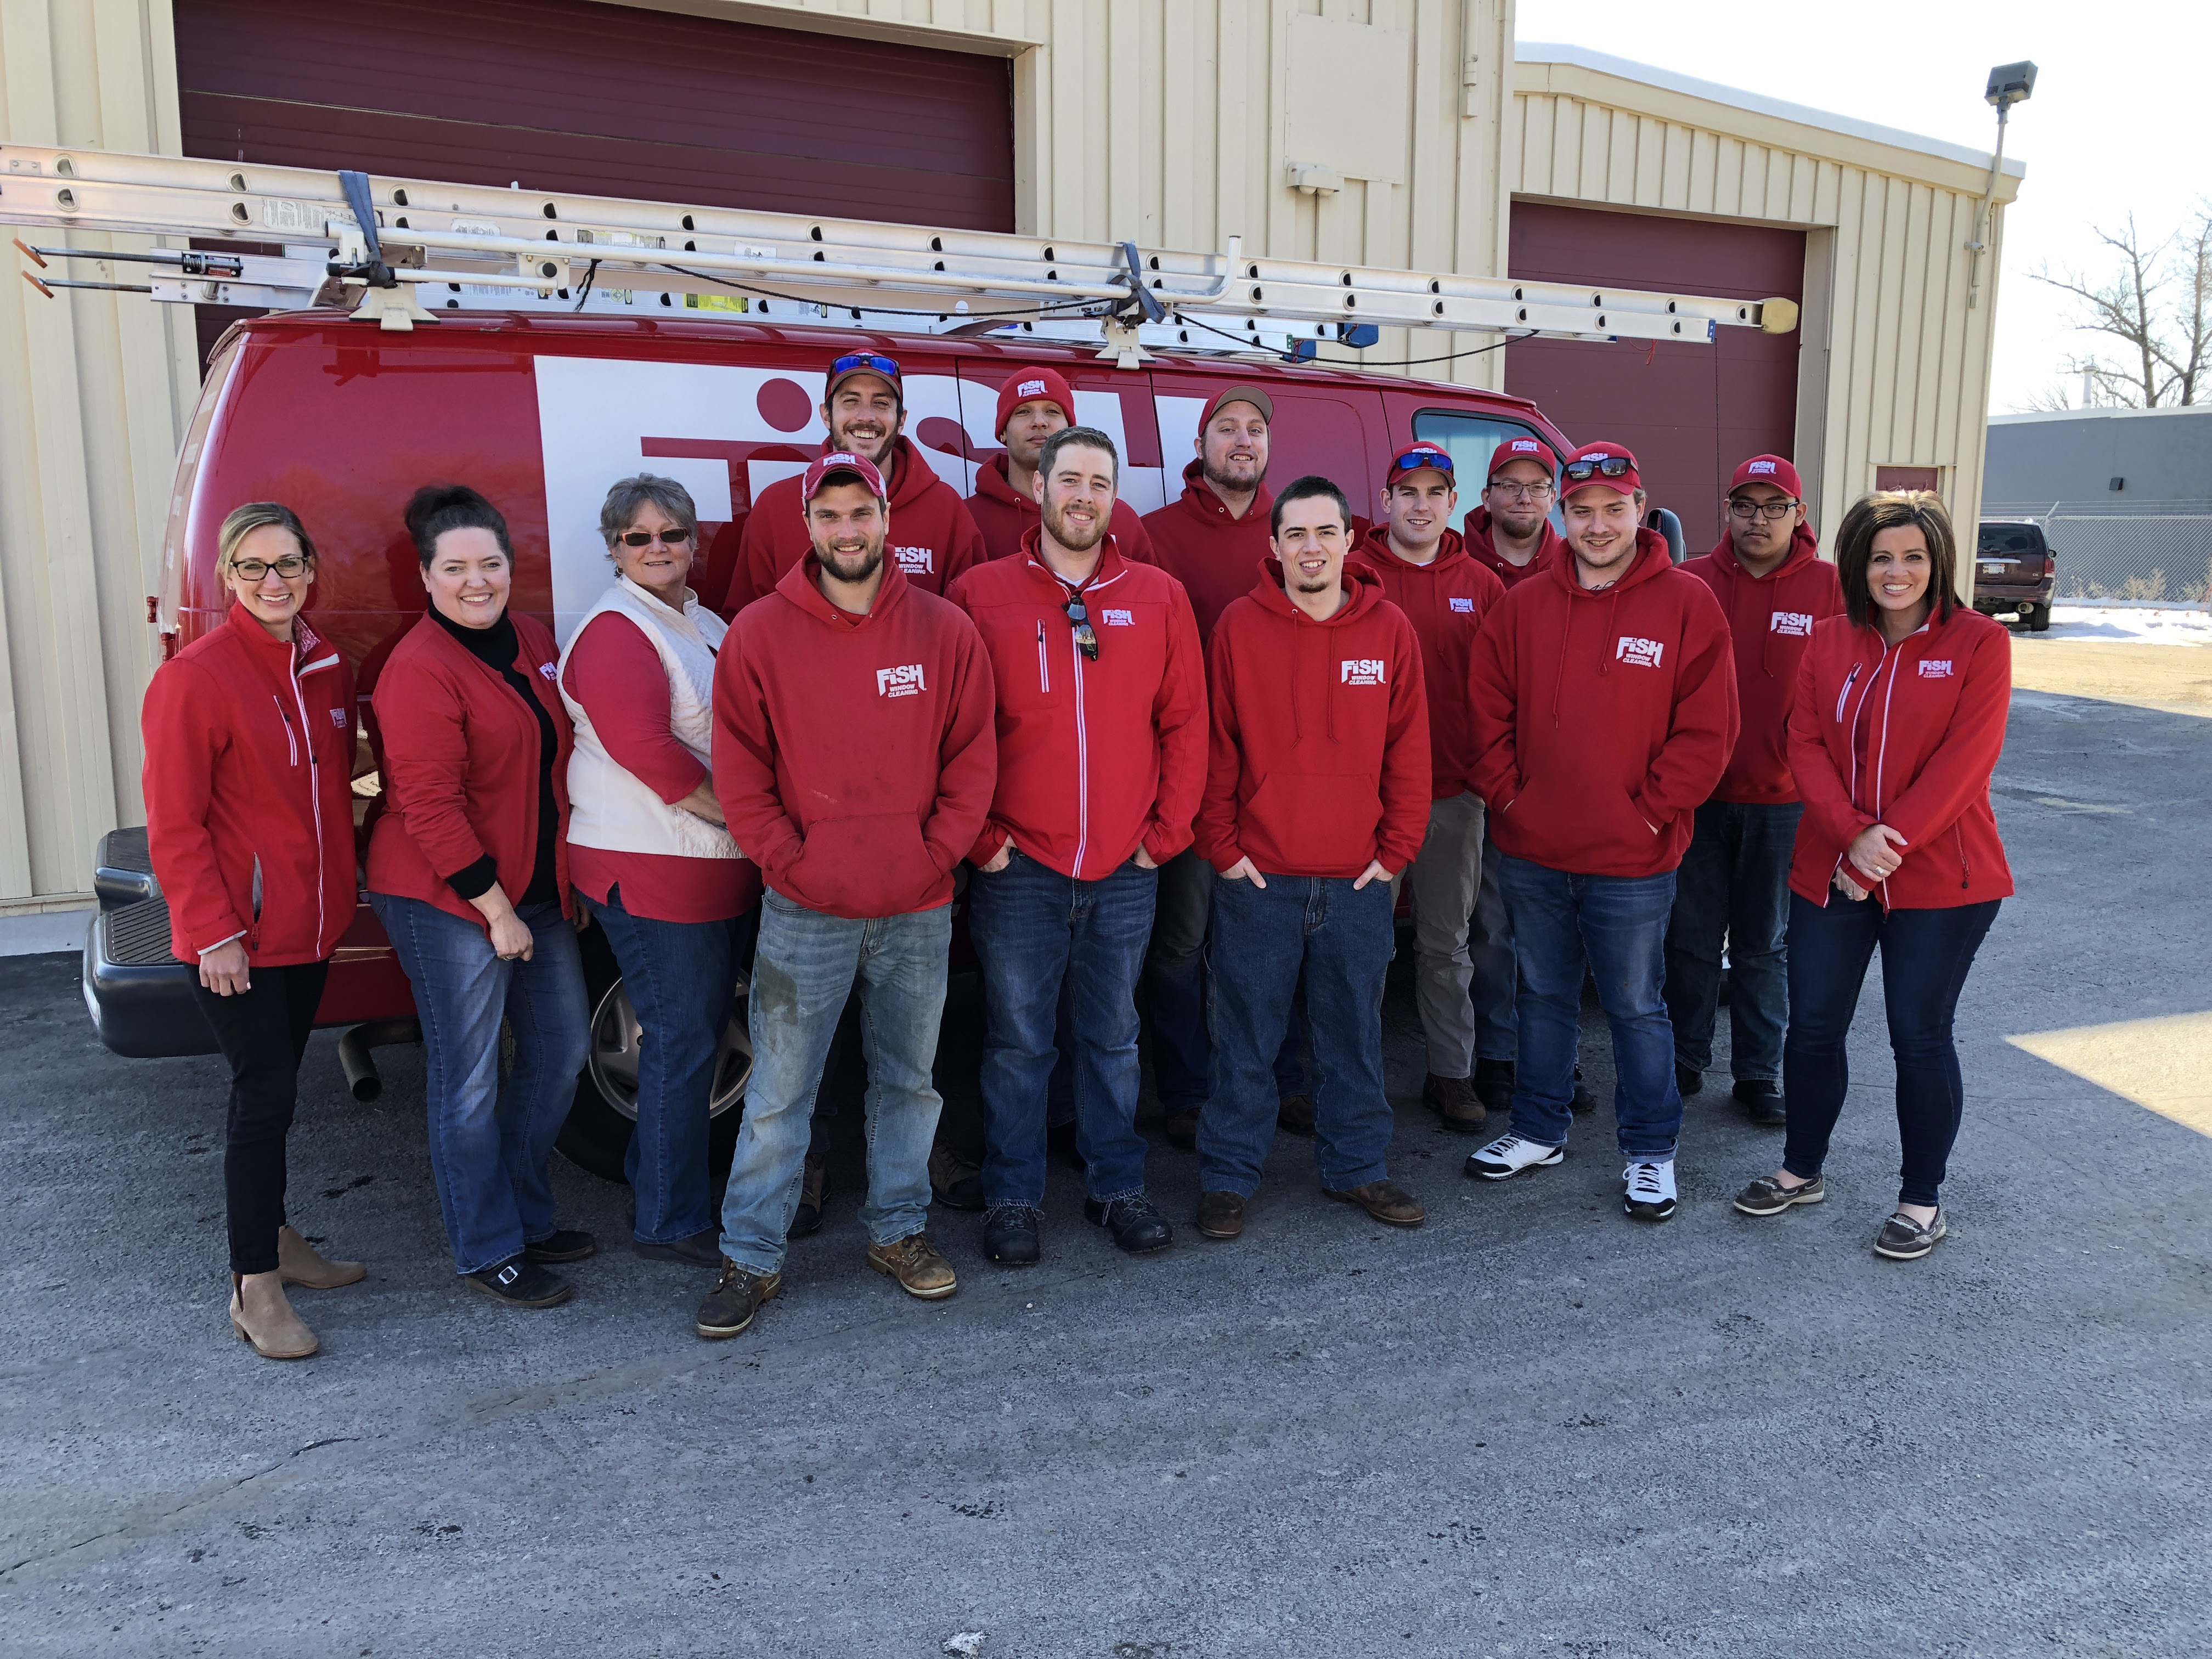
[(2009, 84)]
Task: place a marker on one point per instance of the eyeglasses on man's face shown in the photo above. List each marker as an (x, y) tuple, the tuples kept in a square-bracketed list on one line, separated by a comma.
[(1522, 492), (254, 570), (1769, 511), (646, 537)]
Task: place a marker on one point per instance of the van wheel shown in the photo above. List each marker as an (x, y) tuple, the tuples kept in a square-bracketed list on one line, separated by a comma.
[(597, 1134)]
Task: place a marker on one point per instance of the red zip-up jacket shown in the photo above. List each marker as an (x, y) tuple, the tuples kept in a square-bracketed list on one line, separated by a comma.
[(853, 756), (1905, 735), (1213, 556), (933, 539), (1770, 621), (1483, 551), (1319, 759), (1446, 600), (1004, 517), (249, 796), (1095, 758), (1602, 719), (460, 767)]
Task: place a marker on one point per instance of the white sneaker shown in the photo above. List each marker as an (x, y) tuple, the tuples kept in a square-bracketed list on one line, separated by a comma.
[(1508, 1155), (1647, 1192)]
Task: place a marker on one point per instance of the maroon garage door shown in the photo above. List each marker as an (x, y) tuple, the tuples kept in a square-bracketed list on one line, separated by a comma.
[(1690, 412)]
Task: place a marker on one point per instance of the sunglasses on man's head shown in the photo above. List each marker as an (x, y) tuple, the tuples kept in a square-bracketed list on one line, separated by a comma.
[(646, 537), (883, 366), (1086, 637), (1607, 467)]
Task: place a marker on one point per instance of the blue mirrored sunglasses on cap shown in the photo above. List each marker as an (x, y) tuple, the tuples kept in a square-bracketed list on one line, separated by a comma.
[(846, 365), (1414, 460)]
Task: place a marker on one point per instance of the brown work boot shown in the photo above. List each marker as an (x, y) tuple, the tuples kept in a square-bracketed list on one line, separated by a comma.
[(1456, 1104), (1386, 1200), (813, 1194), (914, 1262), (737, 1296), (299, 1262), (1220, 1215), (1295, 1113), (1182, 1129), (262, 1317), (957, 1181)]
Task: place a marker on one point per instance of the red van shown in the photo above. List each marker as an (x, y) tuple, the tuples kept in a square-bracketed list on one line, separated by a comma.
[(342, 421)]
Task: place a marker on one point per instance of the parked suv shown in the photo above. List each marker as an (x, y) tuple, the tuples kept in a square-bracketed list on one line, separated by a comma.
[(2014, 570), (342, 421)]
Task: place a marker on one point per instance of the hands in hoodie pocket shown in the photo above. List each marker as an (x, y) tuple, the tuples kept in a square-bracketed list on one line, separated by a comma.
[(876, 864)]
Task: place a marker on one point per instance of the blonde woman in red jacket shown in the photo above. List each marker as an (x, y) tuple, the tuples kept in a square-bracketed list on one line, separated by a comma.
[(1899, 721), (249, 752), (468, 871)]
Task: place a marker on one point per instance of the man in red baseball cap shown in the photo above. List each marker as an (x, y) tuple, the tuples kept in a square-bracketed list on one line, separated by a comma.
[(1510, 530), (1035, 402), (1733, 885), (1604, 714), (855, 758), (1425, 570), (931, 537)]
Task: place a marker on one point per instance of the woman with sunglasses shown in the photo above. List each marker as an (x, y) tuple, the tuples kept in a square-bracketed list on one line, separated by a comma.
[(249, 757), (1899, 721), (468, 871), (647, 846)]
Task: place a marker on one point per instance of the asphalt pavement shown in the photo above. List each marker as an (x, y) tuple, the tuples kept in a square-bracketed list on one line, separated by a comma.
[(1531, 1428)]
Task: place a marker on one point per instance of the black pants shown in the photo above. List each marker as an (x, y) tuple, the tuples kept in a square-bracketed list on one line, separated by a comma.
[(263, 1034)]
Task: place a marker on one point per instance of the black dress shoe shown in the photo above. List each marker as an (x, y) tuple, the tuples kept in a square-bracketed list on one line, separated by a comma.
[(564, 1244), (1762, 1100), (1493, 1084), (1688, 1080), (700, 1250), (1133, 1223), (1012, 1234), (521, 1283)]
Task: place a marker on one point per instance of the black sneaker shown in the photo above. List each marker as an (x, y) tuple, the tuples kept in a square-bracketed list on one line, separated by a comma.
[(564, 1244), (1133, 1223), (1762, 1102), (1903, 1239), (1012, 1235), (521, 1283), (736, 1297), (1494, 1084), (1688, 1080)]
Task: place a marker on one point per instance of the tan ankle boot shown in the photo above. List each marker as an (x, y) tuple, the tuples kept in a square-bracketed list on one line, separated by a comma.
[(262, 1317), (299, 1263)]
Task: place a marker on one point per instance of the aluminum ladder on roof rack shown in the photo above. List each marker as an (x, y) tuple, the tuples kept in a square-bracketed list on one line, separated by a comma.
[(372, 242)]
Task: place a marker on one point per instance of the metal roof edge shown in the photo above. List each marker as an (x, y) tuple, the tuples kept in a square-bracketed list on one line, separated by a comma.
[(2032, 416), (1548, 52)]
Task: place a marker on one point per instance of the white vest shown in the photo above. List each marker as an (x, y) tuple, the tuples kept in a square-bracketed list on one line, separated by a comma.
[(609, 805)]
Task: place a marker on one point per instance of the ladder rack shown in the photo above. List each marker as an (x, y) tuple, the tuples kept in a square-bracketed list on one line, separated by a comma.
[(379, 245)]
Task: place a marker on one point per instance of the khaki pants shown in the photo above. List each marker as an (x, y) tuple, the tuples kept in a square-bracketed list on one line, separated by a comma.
[(1444, 881)]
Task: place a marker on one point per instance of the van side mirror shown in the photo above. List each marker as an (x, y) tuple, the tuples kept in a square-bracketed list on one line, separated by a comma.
[(1668, 525)]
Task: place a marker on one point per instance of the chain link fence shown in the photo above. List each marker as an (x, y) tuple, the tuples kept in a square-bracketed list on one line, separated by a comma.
[(2143, 550)]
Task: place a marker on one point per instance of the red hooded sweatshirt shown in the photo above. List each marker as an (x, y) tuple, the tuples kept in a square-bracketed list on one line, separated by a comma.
[(1195, 541), (249, 797), (1319, 761), (1446, 600), (1603, 718), (932, 540), (460, 758), (1770, 621), (853, 756), (1905, 735), (1095, 758), (1004, 517), (1483, 551)]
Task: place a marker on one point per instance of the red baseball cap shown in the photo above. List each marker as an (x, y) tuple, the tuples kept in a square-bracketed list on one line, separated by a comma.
[(1239, 394), (1769, 468), (1035, 384), (1601, 463), (843, 368), (836, 467), (1416, 457), (1521, 449)]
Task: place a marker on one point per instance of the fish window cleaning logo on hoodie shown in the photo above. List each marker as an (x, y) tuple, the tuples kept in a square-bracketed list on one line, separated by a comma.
[(1362, 670), (1640, 654), (1791, 621), (915, 561), (907, 682)]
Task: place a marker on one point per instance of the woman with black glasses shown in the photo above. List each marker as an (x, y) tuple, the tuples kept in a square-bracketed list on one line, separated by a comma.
[(648, 846), (1898, 720)]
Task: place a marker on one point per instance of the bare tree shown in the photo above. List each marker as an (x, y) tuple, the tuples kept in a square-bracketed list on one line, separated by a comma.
[(2156, 300)]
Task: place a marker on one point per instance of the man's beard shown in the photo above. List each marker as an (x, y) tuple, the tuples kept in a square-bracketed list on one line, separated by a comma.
[(853, 567), (1074, 538), (1520, 528), (1221, 478), (881, 455)]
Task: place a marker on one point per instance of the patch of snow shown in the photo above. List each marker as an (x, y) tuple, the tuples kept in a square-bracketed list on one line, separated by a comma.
[(2129, 625)]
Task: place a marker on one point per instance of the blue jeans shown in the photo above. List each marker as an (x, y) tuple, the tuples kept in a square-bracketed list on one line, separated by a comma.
[(681, 977), (1266, 942), (1616, 926), (1734, 884), (1176, 988), (1921, 979), (489, 1147), (1045, 939), (805, 967)]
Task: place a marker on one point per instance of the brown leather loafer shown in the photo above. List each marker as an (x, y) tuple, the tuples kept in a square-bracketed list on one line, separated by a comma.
[(1454, 1103), (1295, 1113), (1182, 1129), (1386, 1200), (1220, 1215)]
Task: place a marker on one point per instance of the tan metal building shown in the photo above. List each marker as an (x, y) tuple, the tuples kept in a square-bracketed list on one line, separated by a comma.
[(1379, 132)]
